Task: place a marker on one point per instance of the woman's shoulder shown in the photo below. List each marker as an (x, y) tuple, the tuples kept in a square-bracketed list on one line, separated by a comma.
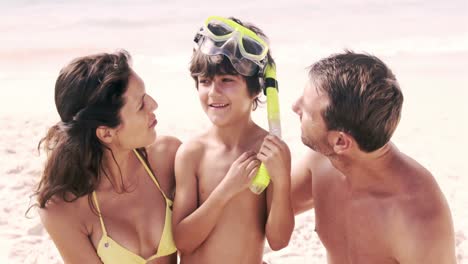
[(58, 212), (165, 145), (161, 156)]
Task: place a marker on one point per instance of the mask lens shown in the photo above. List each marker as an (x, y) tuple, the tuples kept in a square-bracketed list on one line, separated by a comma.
[(211, 47), (245, 51), (251, 46), (244, 66), (219, 29)]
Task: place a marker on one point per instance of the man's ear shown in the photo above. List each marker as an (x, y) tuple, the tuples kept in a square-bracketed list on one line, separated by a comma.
[(341, 142), (105, 134)]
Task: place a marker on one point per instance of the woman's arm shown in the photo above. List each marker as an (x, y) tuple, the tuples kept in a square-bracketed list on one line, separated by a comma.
[(69, 234)]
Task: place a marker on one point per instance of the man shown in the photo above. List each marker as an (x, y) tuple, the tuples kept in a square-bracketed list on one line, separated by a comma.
[(373, 204)]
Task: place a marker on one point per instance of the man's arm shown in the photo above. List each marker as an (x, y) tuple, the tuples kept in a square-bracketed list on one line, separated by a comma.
[(192, 225), (301, 184), (280, 222)]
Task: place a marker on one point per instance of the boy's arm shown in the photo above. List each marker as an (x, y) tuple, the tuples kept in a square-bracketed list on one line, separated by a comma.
[(280, 222), (301, 184), (192, 225)]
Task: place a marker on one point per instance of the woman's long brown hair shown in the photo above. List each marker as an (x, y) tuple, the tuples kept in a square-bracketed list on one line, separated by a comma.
[(88, 94)]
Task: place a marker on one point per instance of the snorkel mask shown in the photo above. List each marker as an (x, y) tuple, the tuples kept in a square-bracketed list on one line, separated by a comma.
[(246, 51)]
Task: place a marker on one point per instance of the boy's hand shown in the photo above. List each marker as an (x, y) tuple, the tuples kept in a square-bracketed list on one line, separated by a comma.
[(240, 175), (276, 156)]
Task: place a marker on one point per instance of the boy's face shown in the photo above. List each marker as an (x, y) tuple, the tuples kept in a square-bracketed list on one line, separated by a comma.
[(224, 98)]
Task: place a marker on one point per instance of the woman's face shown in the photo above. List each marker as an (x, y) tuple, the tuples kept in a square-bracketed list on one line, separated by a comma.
[(138, 120)]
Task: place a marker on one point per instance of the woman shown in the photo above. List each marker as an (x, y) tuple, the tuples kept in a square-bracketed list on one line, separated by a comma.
[(105, 193)]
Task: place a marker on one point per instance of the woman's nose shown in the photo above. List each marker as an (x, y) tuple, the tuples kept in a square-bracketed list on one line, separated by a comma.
[(154, 104)]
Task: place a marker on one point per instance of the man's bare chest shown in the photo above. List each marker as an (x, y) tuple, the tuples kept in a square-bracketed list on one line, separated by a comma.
[(353, 231)]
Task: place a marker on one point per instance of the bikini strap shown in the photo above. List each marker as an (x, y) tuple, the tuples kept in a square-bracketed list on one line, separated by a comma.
[(168, 201), (99, 212)]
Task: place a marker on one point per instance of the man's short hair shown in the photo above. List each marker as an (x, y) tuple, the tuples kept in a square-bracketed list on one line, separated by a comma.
[(364, 96)]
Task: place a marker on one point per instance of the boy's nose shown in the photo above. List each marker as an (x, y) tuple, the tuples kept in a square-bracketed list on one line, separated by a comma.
[(214, 89)]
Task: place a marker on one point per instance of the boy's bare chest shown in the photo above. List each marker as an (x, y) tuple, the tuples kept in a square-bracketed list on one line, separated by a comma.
[(246, 205), (213, 168)]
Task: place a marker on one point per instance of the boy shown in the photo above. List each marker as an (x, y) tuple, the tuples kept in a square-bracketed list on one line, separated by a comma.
[(216, 217)]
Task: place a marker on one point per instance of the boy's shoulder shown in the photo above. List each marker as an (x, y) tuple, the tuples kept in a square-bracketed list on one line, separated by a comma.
[(193, 147), (257, 135)]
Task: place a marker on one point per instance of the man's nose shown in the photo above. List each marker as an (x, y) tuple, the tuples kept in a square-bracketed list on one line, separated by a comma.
[(295, 106)]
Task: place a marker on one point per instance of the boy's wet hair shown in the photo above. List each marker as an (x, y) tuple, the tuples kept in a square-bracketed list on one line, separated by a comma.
[(210, 65)]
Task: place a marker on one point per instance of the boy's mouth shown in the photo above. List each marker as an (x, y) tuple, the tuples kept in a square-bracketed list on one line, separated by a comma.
[(218, 105)]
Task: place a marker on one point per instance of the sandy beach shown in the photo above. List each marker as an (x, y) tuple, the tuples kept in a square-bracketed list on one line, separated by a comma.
[(425, 43)]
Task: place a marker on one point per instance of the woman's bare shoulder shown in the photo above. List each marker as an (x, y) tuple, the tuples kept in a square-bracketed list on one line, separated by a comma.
[(58, 212), (166, 145)]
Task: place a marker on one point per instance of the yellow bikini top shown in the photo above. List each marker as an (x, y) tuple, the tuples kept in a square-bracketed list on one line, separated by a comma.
[(111, 252)]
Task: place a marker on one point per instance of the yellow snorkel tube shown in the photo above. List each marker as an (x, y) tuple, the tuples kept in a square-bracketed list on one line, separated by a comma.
[(262, 179)]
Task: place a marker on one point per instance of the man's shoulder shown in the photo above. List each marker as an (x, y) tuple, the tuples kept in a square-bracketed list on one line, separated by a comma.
[(314, 159), (422, 219), (421, 205), (423, 202), (316, 168), (321, 167), (421, 196)]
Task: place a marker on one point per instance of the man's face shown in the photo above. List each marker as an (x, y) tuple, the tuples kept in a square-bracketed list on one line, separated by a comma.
[(309, 107)]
